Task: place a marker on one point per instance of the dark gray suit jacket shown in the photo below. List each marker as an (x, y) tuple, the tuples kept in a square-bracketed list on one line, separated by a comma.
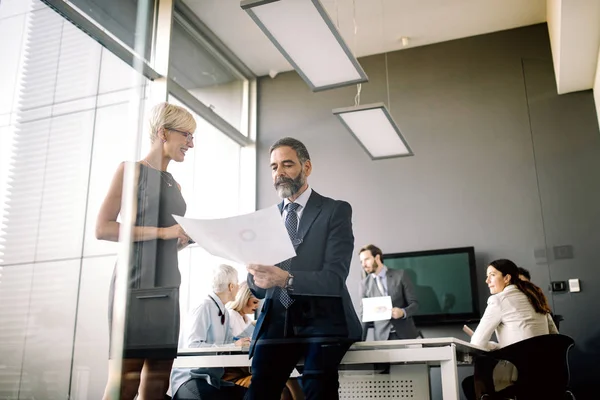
[(320, 268), (401, 290)]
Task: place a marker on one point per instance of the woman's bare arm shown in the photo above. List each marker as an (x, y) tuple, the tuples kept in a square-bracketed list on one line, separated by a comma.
[(107, 227)]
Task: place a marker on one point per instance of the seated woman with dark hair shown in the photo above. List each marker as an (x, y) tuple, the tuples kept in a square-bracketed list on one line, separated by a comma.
[(516, 310)]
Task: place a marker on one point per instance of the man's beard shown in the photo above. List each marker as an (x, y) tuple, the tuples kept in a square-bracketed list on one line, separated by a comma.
[(287, 187)]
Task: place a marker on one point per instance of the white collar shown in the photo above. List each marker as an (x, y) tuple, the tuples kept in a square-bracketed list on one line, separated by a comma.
[(301, 200), (510, 288), (383, 271), (216, 298)]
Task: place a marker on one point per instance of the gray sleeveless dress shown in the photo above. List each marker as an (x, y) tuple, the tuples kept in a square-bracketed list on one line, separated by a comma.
[(158, 198)]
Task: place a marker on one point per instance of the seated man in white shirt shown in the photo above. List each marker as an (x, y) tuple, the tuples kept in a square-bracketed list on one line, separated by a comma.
[(208, 325)]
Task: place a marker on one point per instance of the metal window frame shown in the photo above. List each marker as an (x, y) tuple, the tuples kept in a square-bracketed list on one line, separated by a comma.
[(186, 17), (202, 34), (207, 113), (95, 31), (206, 37)]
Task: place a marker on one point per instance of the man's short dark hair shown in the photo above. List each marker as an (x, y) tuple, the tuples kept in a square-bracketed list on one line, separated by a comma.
[(375, 251), (295, 144), (525, 273)]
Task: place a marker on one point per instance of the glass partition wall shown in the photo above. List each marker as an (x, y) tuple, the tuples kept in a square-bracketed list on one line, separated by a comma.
[(77, 80)]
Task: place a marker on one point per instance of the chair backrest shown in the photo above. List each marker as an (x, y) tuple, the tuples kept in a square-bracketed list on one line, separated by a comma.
[(557, 319), (541, 361)]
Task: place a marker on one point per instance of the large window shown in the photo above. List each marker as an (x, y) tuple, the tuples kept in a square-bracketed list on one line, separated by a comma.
[(127, 20), (58, 160), (68, 116), (210, 81)]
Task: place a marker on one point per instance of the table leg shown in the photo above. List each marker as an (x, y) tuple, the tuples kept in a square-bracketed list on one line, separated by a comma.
[(449, 372)]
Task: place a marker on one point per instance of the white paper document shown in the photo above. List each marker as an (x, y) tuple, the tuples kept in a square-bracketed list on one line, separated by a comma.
[(256, 238), (376, 308)]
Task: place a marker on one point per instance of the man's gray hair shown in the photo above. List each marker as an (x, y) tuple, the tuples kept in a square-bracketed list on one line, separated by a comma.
[(223, 275), (295, 144)]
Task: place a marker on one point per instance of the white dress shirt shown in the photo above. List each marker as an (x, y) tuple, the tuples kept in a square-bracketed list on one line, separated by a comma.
[(512, 316), (204, 329), (301, 201)]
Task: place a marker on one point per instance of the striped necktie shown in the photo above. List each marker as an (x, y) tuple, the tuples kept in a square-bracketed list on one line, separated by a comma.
[(291, 224)]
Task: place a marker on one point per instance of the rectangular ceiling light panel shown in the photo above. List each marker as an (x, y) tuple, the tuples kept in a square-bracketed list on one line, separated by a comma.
[(374, 128), (305, 35)]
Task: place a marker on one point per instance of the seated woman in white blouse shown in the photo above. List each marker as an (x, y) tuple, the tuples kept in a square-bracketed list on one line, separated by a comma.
[(516, 310)]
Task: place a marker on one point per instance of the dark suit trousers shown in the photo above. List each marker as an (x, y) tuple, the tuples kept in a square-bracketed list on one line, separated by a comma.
[(274, 361)]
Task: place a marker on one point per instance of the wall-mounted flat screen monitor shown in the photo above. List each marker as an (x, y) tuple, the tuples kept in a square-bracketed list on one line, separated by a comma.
[(444, 281)]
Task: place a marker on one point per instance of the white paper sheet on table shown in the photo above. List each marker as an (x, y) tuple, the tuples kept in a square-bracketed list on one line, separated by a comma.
[(376, 308), (256, 238)]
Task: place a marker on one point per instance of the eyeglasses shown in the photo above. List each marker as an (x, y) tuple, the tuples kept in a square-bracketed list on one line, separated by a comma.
[(189, 136)]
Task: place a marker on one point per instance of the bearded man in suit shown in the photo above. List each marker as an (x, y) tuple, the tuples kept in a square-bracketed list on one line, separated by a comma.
[(307, 311), (396, 283)]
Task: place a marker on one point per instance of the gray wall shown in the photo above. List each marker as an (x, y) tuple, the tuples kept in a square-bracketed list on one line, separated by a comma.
[(501, 162)]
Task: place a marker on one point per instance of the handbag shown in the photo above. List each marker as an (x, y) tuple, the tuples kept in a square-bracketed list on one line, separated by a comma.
[(153, 319)]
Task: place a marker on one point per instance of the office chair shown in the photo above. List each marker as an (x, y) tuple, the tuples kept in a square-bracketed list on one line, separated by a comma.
[(557, 318), (542, 365)]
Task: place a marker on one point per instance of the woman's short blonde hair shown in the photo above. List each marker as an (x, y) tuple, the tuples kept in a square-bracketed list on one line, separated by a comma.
[(241, 299), (170, 116)]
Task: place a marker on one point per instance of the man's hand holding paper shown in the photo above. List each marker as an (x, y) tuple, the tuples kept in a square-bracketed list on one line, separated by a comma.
[(377, 308), (267, 276)]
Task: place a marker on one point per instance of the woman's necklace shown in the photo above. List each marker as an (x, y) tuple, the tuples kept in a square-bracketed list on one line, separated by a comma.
[(161, 173)]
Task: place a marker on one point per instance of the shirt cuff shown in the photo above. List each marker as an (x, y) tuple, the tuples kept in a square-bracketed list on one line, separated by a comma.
[(403, 313)]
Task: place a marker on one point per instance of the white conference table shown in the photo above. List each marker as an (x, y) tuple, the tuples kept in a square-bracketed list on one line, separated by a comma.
[(445, 352)]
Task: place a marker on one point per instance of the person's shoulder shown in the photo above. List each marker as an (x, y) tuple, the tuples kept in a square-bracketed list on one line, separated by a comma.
[(509, 292), (506, 298), (328, 200), (120, 170), (516, 298), (341, 207), (232, 312), (495, 299), (331, 206), (203, 306)]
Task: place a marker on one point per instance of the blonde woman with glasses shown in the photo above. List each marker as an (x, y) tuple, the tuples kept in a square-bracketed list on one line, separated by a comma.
[(152, 316)]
